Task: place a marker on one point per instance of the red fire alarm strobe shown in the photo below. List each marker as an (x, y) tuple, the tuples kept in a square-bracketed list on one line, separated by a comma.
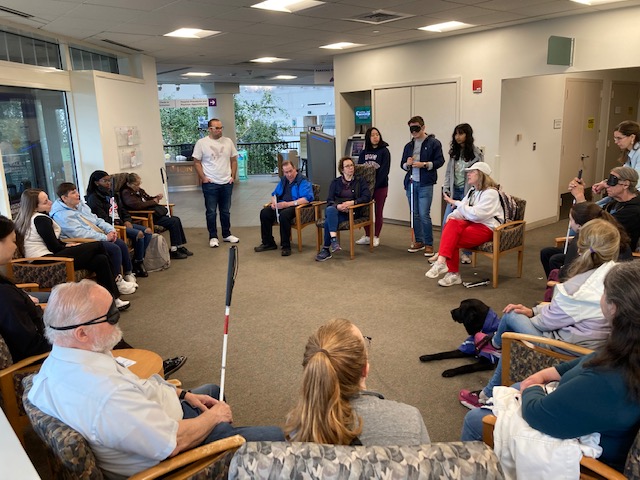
[(477, 86)]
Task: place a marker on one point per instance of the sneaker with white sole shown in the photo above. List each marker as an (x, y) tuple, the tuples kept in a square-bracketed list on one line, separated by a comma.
[(231, 239), (436, 270), (124, 287), (323, 255), (131, 278), (464, 258), (364, 240), (122, 304), (450, 279), (473, 399), (376, 241), (214, 243), (433, 258)]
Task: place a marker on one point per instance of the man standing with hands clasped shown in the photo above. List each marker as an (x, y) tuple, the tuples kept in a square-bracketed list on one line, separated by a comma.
[(216, 161), (294, 189), (421, 157)]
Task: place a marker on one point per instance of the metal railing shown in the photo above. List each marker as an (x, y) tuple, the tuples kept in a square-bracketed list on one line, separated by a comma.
[(262, 157)]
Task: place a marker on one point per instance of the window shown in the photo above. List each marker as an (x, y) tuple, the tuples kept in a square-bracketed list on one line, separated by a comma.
[(32, 51), (82, 59)]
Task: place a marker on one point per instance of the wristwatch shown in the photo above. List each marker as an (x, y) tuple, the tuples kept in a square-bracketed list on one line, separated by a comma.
[(183, 394), (295, 203)]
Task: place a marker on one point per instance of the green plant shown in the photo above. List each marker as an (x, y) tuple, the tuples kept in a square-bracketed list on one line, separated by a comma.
[(180, 125)]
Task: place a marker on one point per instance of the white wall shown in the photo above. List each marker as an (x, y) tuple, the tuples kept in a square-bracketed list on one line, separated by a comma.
[(602, 41)]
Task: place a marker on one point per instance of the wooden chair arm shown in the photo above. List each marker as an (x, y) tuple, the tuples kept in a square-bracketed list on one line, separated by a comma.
[(78, 240), (144, 221), (190, 456), (32, 287), (358, 205), (25, 362), (604, 471), (41, 259), (552, 283), (560, 241), (488, 424), (579, 351), (509, 225)]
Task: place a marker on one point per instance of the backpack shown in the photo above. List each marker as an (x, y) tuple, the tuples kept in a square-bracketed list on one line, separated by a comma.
[(509, 206), (157, 257)]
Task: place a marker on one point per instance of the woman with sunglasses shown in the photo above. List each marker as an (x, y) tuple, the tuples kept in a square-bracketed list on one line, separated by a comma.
[(334, 405), (625, 202)]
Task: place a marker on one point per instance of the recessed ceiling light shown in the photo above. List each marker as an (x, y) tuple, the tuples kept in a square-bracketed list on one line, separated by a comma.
[(284, 77), (269, 60), (288, 6), (341, 45), (595, 2), (196, 74), (191, 33), (445, 27)]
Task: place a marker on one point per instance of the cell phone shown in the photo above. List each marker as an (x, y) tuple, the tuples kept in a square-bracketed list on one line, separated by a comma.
[(580, 174)]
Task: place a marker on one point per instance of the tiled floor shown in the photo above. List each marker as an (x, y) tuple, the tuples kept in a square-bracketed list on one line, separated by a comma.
[(246, 202)]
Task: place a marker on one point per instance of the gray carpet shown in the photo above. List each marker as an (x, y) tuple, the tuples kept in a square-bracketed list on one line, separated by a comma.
[(278, 302)]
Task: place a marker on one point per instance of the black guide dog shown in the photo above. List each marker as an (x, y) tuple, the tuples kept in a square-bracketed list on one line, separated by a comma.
[(473, 314)]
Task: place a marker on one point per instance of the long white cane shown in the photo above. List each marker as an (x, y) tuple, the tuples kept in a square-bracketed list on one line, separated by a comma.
[(275, 203), (166, 189), (413, 236), (232, 272)]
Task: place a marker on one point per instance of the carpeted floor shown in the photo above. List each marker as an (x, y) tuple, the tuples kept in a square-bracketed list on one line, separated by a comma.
[(278, 302)]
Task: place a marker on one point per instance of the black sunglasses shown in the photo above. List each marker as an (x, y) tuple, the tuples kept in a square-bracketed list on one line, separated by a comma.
[(415, 128), (112, 317)]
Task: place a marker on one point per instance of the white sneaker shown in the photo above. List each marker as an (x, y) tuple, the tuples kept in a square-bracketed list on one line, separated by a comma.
[(450, 279), (231, 239), (376, 241), (122, 304), (213, 242), (436, 270), (433, 258), (364, 240), (131, 278), (124, 287), (464, 258)]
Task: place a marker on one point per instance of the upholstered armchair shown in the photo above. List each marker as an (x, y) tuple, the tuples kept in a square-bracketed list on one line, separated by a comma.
[(47, 272), (359, 215), (521, 357), (508, 237), (11, 375), (436, 461), (70, 456)]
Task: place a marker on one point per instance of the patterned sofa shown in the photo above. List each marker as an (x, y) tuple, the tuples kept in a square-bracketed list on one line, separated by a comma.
[(441, 461)]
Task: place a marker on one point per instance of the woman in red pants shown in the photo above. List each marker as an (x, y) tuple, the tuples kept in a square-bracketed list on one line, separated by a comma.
[(469, 225)]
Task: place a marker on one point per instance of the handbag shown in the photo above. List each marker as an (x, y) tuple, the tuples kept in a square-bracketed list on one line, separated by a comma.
[(159, 211)]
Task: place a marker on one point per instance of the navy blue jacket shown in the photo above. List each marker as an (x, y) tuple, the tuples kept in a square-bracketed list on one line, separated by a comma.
[(360, 192), (431, 152)]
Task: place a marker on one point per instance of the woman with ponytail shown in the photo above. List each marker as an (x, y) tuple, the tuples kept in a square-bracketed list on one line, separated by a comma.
[(334, 405)]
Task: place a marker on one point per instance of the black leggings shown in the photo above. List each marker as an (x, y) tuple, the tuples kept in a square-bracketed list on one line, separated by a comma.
[(93, 257)]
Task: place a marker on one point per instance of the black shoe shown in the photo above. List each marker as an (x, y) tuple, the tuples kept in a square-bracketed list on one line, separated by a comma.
[(172, 365), (184, 250), (286, 251), (263, 248), (177, 255), (139, 270)]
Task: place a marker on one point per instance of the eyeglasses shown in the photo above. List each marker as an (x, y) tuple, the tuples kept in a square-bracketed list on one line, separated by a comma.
[(112, 317), (617, 139), (105, 180), (415, 128), (367, 340), (348, 165)]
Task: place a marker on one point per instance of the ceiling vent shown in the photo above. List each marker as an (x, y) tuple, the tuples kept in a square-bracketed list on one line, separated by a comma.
[(15, 12), (121, 45), (379, 17)]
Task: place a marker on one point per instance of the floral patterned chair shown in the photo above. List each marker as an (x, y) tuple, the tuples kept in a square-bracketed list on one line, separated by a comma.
[(508, 237), (441, 461), (70, 456), (359, 215), (521, 357)]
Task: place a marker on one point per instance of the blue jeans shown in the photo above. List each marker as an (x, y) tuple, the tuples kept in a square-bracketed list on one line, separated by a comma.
[(422, 226), (224, 430), (118, 253), (472, 425), (510, 322), (218, 197), (139, 244), (332, 218)]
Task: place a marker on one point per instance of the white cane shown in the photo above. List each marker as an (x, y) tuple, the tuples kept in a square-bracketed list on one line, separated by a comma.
[(166, 189), (113, 201), (413, 236), (275, 202)]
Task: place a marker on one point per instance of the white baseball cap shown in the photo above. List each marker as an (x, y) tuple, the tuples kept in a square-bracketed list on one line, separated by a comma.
[(482, 166)]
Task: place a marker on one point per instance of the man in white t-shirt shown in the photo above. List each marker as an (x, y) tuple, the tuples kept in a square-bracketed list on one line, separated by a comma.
[(216, 161), (130, 423)]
